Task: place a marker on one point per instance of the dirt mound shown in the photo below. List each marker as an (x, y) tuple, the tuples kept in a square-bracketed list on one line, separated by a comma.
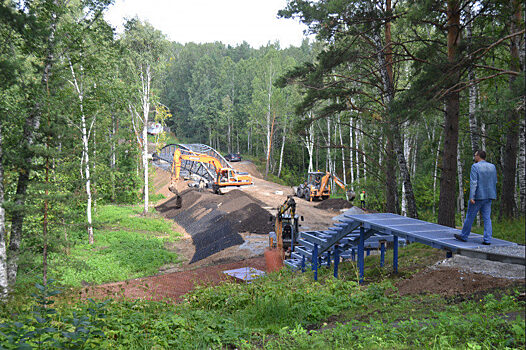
[(252, 218), (449, 282), (170, 287), (248, 167), (334, 203), (215, 221)]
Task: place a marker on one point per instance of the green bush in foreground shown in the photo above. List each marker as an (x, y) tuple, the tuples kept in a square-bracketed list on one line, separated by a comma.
[(282, 311), (43, 327)]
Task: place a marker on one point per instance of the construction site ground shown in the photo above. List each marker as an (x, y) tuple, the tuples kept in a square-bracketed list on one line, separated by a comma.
[(249, 209)]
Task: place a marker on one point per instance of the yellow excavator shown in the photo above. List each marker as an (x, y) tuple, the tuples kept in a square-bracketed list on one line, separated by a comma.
[(317, 186), (209, 171), (286, 226)]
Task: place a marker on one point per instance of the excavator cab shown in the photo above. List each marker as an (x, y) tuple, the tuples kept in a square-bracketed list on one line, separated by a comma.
[(226, 177), (318, 186)]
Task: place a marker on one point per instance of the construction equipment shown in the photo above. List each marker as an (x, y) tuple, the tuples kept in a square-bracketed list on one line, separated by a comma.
[(286, 226), (207, 169), (286, 229), (317, 186)]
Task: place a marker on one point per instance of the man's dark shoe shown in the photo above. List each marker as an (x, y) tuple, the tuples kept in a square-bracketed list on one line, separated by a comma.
[(460, 238), (486, 243)]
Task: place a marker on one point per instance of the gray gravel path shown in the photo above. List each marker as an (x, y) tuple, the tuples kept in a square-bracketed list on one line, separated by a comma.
[(517, 250), (492, 268)]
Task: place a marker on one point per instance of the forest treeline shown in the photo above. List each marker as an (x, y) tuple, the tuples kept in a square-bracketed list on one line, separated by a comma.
[(394, 98)]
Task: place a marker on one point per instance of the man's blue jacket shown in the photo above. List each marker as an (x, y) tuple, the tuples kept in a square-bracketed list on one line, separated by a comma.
[(483, 181)]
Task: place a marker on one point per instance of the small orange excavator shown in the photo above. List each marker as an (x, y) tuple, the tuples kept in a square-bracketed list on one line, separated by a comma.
[(317, 186), (209, 171)]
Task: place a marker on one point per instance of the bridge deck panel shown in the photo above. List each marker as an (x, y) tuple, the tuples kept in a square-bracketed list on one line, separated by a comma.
[(428, 233)]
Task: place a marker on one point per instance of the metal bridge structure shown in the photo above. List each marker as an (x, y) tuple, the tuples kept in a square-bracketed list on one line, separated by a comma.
[(204, 171), (355, 234)]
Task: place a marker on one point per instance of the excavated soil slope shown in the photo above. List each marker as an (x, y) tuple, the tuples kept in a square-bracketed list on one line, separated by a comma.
[(214, 221), (334, 203)]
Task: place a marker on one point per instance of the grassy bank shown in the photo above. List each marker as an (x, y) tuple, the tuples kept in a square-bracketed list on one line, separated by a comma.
[(127, 245), (283, 310)]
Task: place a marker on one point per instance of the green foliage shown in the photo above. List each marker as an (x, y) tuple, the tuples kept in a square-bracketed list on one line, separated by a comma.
[(509, 230), (129, 218), (285, 310), (127, 245), (261, 305), (49, 328), (115, 256)]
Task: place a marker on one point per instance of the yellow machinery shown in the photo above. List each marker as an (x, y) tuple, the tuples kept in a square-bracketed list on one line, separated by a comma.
[(286, 226), (208, 169), (317, 186)]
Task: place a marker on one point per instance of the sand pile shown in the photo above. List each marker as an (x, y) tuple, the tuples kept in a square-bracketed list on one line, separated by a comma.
[(215, 221), (334, 203)]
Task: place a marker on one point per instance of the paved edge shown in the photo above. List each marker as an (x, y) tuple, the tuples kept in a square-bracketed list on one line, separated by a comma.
[(492, 256)]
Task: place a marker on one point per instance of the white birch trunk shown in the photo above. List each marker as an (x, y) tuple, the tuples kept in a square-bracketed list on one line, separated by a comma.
[(4, 285), (461, 203), (351, 152), (415, 150), (343, 156), (308, 141), (146, 84), (85, 151), (473, 125), (356, 146), (406, 151), (435, 172), (269, 121), (521, 166), (282, 148), (113, 156), (94, 164), (364, 161), (328, 162)]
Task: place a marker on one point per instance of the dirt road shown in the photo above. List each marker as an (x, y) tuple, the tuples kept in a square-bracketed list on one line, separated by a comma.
[(175, 281), (269, 193)]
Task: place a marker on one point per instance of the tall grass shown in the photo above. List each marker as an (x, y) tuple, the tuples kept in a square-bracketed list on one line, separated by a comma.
[(127, 245)]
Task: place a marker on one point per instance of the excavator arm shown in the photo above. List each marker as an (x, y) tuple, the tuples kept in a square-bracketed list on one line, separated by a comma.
[(325, 181), (339, 182), (207, 167)]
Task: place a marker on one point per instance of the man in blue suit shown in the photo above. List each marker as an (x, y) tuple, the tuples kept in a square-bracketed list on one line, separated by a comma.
[(483, 189)]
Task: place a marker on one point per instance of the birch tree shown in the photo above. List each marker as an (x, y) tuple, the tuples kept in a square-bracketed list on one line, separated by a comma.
[(265, 99), (308, 141), (145, 48), (85, 130), (3, 252), (516, 87), (359, 54), (521, 166), (40, 42)]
